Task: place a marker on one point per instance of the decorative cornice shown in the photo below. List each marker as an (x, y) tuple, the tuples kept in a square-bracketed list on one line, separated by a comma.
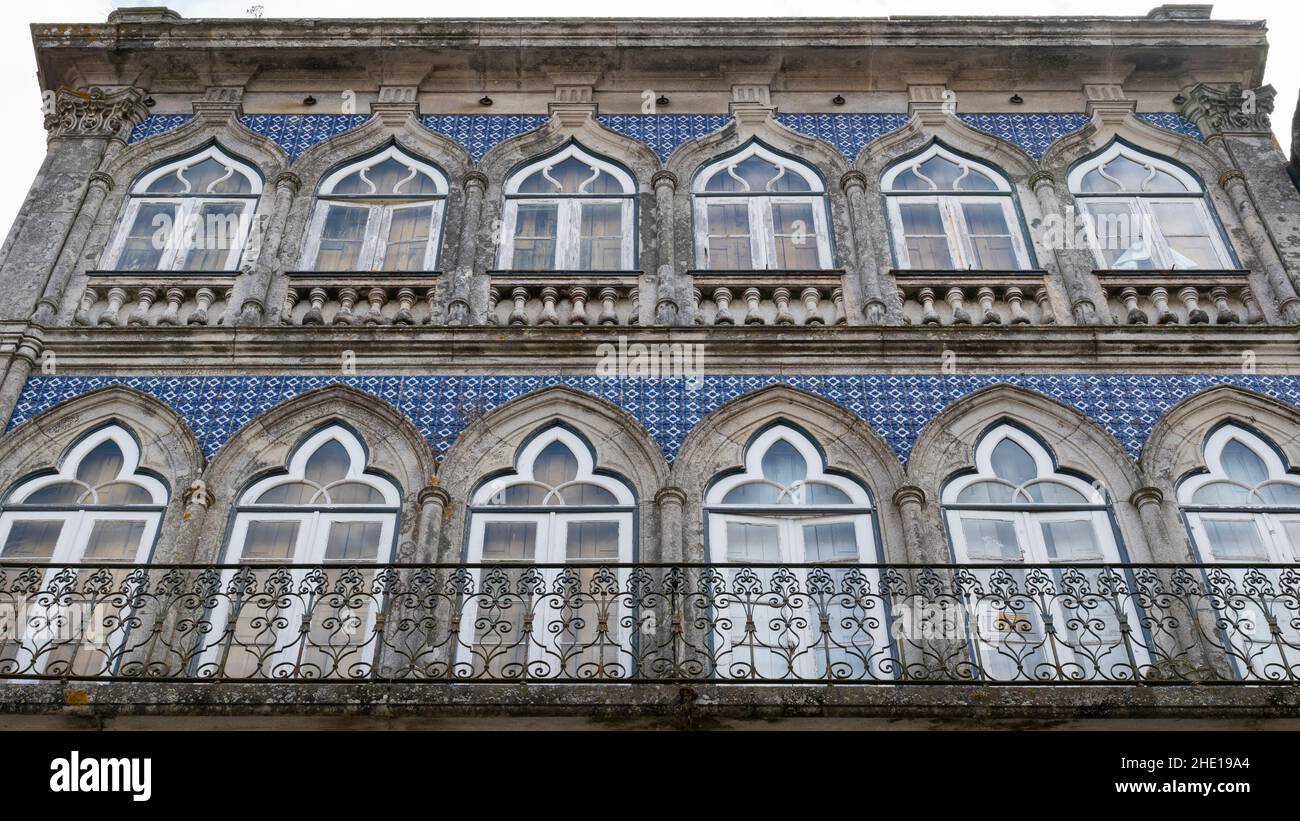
[(1229, 107), (94, 112), (220, 102), (396, 104)]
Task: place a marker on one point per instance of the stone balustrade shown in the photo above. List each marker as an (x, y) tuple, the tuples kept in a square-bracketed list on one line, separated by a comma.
[(1175, 298), (153, 300), (974, 298), (361, 300), (542, 301), (722, 300)]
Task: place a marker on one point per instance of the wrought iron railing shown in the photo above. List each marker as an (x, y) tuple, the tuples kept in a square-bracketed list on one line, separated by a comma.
[(833, 624)]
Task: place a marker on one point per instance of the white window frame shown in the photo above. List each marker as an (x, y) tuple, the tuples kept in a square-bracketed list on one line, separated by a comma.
[(1269, 521), (77, 521), (568, 218), (790, 521), (551, 523), (762, 232), (314, 521), (188, 207), (379, 214), (1139, 203), (952, 215), (1028, 524)]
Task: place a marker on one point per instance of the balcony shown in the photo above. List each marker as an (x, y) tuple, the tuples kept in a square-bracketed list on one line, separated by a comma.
[(361, 298), (1180, 297), (860, 625), (974, 297)]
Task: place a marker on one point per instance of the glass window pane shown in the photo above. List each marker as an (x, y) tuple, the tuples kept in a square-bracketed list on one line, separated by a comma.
[(1187, 232), (122, 493), (748, 542), (509, 541), (1235, 540), (408, 239), (1291, 529), (328, 464), (269, 542), (114, 541), (354, 493), (534, 240), (1280, 493), (990, 236), (752, 493), (341, 238), (837, 542), (817, 493), (592, 541), (289, 493), (154, 225), (211, 236), (1055, 493), (102, 464), (520, 495), (995, 493), (990, 539), (1119, 233), (32, 540), (1012, 462), (927, 241), (59, 493), (587, 494), (1242, 464), (1071, 540), (941, 171), (728, 237), (353, 541), (600, 243), (796, 235), (209, 176), (1221, 493), (555, 465), (784, 464)]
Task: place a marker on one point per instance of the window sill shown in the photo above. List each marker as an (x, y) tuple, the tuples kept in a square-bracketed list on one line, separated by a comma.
[(526, 272), (759, 272), (165, 274), (376, 275)]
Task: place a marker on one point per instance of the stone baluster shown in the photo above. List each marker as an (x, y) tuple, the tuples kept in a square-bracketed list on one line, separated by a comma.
[(722, 299), (431, 297), (88, 299), (1160, 298), (1191, 298), (494, 298), (754, 314), (781, 296), (1015, 298), (549, 296), (286, 311), (812, 300), (457, 311), (116, 296), (1223, 315), (377, 298), (697, 300), (1046, 315), (840, 316), (204, 297), (1254, 314), (172, 314), (316, 310), (519, 316), (228, 297), (347, 300), (956, 299), (608, 306), (578, 305), (145, 298), (405, 302), (985, 297), (634, 298), (1132, 313), (929, 316)]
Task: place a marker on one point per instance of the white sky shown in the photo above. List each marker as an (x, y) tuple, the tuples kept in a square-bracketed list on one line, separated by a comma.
[(22, 140)]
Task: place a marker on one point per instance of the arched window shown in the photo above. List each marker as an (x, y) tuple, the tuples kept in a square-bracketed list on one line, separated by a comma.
[(381, 213), (192, 214), (555, 509), (570, 211), (1015, 508), (97, 508), (759, 210), (785, 507), (1147, 213), (949, 213), (1245, 508), (323, 509)]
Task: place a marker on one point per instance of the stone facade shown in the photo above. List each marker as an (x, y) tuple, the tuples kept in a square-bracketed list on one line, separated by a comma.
[(445, 375)]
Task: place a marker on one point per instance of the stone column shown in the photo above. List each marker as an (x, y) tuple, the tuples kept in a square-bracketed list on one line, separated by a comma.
[(433, 503), (268, 232), (910, 501), (861, 214), (459, 300), (1279, 281), (47, 307), (27, 350), (1074, 265), (43, 251), (668, 285), (670, 501)]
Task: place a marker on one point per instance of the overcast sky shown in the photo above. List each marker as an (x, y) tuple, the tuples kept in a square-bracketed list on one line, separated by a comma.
[(23, 138)]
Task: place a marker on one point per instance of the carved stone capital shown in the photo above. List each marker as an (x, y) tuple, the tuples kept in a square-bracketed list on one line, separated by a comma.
[(670, 495), (289, 180), (667, 178), (1041, 178), (475, 179), (94, 112), (101, 179), (1228, 107), (1144, 496), (853, 179), (433, 495), (909, 495)]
